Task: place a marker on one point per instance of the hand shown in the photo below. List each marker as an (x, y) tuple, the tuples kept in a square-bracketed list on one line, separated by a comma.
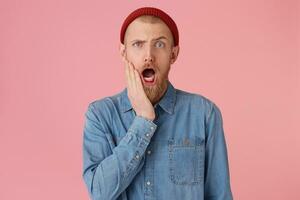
[(136, 94)]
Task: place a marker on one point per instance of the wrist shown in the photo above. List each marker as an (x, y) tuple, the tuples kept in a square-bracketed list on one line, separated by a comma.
[(150, 118)]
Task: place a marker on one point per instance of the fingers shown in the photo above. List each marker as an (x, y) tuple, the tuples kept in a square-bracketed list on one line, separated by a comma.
[(127, 74), (130, 77), (134, 82), (138, 80)]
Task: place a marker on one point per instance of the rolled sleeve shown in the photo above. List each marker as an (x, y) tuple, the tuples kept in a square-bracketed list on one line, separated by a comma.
[(107, 170)]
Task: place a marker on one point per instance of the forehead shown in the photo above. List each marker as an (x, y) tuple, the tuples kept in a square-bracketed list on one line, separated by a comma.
[(146, 27)]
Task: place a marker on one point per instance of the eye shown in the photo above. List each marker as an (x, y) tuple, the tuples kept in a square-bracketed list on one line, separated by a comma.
[(137, 44), (159, 44)]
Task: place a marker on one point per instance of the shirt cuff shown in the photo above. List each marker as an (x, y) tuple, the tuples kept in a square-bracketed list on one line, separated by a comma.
[(142, 127)]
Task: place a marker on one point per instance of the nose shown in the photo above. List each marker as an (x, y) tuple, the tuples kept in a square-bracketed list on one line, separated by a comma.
[(149, 57)]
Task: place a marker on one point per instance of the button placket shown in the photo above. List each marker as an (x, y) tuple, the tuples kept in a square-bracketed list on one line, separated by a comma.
[(149, 173), (149, 167)]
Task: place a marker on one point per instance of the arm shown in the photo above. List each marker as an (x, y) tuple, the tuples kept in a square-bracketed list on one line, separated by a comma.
[(217, 177), (106, 171)]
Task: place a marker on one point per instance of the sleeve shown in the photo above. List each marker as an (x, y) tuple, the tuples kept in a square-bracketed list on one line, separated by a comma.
[(108, 171), (217, 177)]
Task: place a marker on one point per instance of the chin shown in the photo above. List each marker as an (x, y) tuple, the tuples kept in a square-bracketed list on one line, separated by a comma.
[(154, 92)]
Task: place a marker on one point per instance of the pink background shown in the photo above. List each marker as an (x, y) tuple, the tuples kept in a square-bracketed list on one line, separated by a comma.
[(58, 56)]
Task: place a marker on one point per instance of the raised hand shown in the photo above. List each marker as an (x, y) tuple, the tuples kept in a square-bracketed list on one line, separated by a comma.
[(136, 94)]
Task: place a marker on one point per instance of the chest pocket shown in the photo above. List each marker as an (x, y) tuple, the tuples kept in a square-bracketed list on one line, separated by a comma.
[(186, 161)]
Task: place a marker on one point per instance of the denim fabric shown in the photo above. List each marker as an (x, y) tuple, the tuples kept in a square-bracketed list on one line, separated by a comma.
[(182, 154)]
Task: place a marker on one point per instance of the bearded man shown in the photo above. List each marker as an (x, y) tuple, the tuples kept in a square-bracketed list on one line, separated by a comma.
[(151, 140)]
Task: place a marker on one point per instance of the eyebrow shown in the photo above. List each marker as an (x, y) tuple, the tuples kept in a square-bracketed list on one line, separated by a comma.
[(161, 37)]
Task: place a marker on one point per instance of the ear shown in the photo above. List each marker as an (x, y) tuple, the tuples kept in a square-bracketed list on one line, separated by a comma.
[(174, 54), (122, 50)]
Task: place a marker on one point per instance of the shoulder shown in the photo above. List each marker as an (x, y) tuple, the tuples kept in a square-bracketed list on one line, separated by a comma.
[(204, 106), (104, 105), (197, 100), (198, 103)]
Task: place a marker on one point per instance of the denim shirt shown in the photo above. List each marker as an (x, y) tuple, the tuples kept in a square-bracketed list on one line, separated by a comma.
[(181, 154)]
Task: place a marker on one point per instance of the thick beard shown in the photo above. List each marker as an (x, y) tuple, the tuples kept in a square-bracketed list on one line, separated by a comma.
[(154, 92)]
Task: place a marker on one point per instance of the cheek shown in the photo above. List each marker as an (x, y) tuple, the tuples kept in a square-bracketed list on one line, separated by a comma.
[(164, 61), (134, 56), (133, 59), (164, 56)]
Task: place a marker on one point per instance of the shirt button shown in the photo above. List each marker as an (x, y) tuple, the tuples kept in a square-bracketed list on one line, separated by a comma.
[(148, 183), (137, 157), (149, 152), (147, 135), (151, 127)]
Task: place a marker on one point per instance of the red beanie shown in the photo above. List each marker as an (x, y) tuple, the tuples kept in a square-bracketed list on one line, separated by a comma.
[(155, 12)]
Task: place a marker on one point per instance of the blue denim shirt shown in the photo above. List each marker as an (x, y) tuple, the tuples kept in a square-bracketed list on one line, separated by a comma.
[(180, 155)]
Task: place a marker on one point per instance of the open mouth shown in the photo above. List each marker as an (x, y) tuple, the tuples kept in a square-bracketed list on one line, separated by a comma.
[(148, 75)]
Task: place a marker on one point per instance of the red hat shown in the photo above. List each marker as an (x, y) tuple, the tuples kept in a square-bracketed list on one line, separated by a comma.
[(151, 11)]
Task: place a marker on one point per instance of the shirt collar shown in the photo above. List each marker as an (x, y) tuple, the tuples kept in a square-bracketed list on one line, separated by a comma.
[(167, 102)]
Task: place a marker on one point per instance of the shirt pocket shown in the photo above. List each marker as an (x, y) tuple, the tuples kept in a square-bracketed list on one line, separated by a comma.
[(186, 161)]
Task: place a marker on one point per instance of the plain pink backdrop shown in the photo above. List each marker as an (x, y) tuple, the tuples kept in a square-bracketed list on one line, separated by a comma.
[(57, 56)]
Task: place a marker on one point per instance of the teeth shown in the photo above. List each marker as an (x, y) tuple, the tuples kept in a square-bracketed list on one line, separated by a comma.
[(149, 79), (148, 76)]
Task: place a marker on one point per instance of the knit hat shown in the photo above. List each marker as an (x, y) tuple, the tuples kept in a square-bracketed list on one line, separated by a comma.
[(151, 11)]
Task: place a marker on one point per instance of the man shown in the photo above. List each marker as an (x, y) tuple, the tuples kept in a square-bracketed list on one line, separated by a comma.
[(152, 141)]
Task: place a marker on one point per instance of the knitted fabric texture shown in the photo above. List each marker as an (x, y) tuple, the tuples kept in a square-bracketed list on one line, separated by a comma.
[(155, 12)]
